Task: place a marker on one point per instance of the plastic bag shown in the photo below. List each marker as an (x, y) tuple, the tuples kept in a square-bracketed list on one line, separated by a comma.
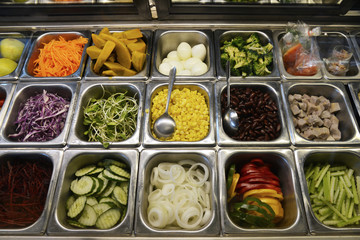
[(300, 53), (338, 63)]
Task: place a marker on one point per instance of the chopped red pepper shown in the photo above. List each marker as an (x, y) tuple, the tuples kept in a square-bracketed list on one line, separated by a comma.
[(258, 174), (263, 180)]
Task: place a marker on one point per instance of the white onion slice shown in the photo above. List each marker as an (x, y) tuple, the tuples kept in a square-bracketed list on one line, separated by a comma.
[(167, 189), (192, 172), (157, 217)]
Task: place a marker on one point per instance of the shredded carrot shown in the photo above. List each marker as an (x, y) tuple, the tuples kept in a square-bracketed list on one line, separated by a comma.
[(59, 58)]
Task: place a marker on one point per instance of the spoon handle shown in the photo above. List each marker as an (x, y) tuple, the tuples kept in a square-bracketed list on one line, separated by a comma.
[(172, 75), (228, 82)]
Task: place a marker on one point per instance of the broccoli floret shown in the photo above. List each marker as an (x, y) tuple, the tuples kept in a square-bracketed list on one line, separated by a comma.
[(238, 42), (252, 55), (268, 58), (254, 38), (268, 47), (231, 51), (260, 68)]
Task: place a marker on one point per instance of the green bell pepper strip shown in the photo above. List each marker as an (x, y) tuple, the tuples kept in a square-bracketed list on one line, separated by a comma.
[(230, 176)]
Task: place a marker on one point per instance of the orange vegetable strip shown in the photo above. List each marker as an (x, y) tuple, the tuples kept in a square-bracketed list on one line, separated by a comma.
[(59, 58)]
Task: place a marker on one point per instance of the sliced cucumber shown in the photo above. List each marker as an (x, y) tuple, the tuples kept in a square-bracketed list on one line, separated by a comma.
[(109, 189), (91, 201), (102, 207), (105, 184), (109, 200), (118, 171), (120, 195), (70, 202), (77, 207), (96, 171), (75, 223), (108, 219), (98, 185), (88, 216), (125, 186), (123, 213), (82, 186), (108, 162), (84, 171), (109, 175)]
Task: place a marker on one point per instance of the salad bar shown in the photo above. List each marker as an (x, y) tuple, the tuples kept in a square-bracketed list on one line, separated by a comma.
[(80, 158)]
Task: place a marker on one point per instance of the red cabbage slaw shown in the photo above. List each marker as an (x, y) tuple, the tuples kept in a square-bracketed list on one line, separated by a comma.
[(41, 118)]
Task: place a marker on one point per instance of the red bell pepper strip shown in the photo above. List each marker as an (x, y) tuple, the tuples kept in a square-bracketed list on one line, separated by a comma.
[(263, 180), (256, 175)]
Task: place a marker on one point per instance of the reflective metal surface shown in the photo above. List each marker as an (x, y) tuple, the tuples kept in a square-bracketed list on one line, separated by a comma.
[(273, 88), (303, 157), (22, 93), (335, 92), (96, 90), (54, 157), (166, 41), (152, 158), (74, 160), (6, 92), (41, 37), (283, 166)]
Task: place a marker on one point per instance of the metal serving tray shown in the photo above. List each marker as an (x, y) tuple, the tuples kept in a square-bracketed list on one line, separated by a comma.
[(273, 88), (354, 89), (44, 37), (95, 90), (226, 35), (166, 41), (326, 42), (52, 156), (24, 37), (143, 75), (349, 157), (11, 2), (23, 92), (7, 90), (114, 1), (150, 159), (283, 166), (74, 160), (335, 92), (284, 74), (205, 88)]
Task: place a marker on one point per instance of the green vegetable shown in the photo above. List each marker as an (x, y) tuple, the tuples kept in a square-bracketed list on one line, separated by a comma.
[(247, 57), (241, 213), (334, 194), (112, 119), (230, 176)]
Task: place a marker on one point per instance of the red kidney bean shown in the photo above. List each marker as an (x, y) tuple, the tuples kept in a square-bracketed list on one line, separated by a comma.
[(257, 111)]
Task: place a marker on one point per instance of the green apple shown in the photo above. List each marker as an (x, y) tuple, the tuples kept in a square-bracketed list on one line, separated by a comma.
[(7, 66), (11, 48)]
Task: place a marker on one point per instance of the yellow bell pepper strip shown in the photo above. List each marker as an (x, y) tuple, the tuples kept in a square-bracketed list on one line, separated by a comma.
[(275, 205), (231, 190), (263, 193)]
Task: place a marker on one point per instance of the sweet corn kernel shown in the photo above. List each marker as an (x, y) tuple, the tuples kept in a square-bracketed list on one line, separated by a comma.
[(189, 110)]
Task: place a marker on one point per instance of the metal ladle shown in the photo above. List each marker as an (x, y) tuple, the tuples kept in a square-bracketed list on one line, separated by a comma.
[(165, 125), (231, 119)]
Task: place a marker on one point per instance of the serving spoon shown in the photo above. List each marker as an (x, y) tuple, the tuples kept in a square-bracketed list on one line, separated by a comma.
[(231, 119), (164, 126)]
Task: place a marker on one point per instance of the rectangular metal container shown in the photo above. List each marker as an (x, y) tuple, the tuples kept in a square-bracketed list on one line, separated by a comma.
[(326, 42), (6, 91), (11, 2), (41, 37), (152, 158), (348, 157), (95, 90), (205, 88), (226, 35), (114, 1), (354, 90), (284, 74), (24, 37), (273, 88), (76, 159), (335, 92), (54, 157), (22, 93), (166, 41), (282, 165), (143, 75)]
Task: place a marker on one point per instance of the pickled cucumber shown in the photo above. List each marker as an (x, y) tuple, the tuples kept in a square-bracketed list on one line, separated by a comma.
[(7, 66), (11, 48)]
